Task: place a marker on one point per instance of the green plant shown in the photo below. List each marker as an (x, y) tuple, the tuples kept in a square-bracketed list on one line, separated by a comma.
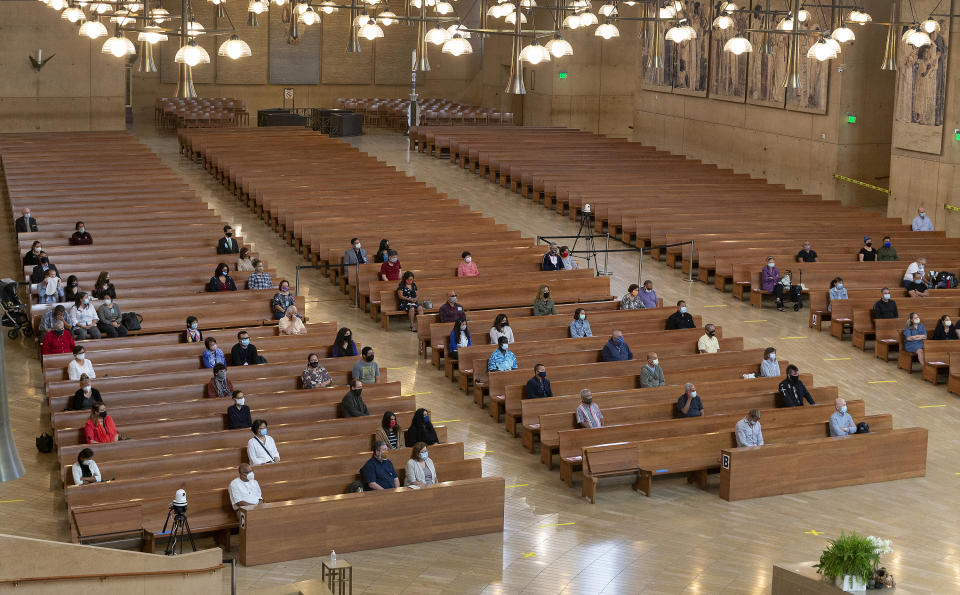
[(849, 554)]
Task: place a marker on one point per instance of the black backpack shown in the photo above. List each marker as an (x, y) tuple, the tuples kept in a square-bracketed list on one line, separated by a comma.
[(131, 320), (45, 443), (863, 428)]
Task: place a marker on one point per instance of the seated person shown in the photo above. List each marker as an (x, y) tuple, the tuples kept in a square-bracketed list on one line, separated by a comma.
[(551, 260), (588, 412), (86, 396), (837, 292), (259, 279), (841, 423), (887, 253), (111, 318), (420, 469), (314, 376), (648, 296), (383, 251), (343, 345), (748, 430), (103, 287), (580, 327), (212, 355), (616, 349), (32, 258), (770, 281), (352, 404), (421, 430), (238, 414), (389, 431), (651, 375), (502, 359), (261, 449), (916, 266), (40, 270), (538, 387), (450, 310), (769, 367), (51, 289), (71, 289), (689, 404), (914, 335), (291, 323), (245, 262), (467, 268), (87, 318), (945, 330), (219, 386), (80, 365), (245, 353), (57, 341), (566, 259), (100, 427), (282, 300), (543, 304), (917, 288), (501, 328), (867, 253), (680, 319), (708, 342), (407, 300), (85, 470), (227, 244), (355, 254), (26, 222), (806, 254), (244, 490), (631, 300), (791, 392), (80, 237), (885, 307), (54, 314), (921, 222), (378, 472), (366, 370), (221, 279), (459, 337), (192, 334), (391, 269)]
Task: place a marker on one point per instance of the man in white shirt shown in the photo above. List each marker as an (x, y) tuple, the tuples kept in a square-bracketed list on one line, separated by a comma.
[(244, 490), (80, 364), (748, 430), (917, 266), (921, 222), (709, 343), (261, 448)]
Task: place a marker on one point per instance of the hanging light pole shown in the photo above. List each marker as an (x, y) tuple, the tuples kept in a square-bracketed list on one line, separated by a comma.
[(185, 89)]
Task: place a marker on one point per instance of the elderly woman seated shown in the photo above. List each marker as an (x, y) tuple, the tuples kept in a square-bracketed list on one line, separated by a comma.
[(291, 324)]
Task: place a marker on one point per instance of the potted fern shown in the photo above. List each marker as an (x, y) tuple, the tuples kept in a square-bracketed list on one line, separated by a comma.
[(849, 561)]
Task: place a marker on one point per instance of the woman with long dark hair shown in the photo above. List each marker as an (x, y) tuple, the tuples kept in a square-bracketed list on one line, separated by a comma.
[(390, 432), (421, 430), (343, 345)]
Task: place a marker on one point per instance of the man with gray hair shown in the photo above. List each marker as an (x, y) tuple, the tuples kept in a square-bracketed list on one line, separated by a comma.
[(748, 430), (551, 260), (651, 375), (588, 413), (689, 404), (841, 422)]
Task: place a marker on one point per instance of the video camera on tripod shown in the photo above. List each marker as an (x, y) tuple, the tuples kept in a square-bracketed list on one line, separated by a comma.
[(180, 527)]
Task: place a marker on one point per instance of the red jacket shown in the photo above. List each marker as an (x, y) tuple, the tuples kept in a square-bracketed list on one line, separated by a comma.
[(54, 344)]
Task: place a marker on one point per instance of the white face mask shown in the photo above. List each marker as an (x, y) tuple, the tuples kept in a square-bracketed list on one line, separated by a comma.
[(655, 362), (87, 389), (693, 394), (773, 357), (771, 264), (947, 323), (107, 301), (241, 401), (886, 296), (357, 246), (81, 356), (250, 476), (468, 259)]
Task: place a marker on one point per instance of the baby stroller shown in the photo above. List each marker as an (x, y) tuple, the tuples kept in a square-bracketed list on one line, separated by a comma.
[(792, 288), (12, 311)]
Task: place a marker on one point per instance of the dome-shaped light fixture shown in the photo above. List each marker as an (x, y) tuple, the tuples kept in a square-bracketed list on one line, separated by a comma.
[(457, 30), (833, 43), (607, 31), (723, 22), (917, 38), (309, 17), (681, 33), (803, 15), (134, 6), (738, 45), (371, 30), (822, 51), (535, 53), (387, 18), (122, 18), (371, 2), (785, 24), (930, 26), (118, 46), (608, 10), (93, 29), (571, 21), (234, 48), (192, 54), (457, 46), (587, 19), (102, 8), (667, 12), (279, 2), (559, 47), (729, 7), (258, 7), (511, 19), (843, 34), (444, 8), (361, 19), (328, 7), (194, 28), (436, 36), (72, 14), (57, 5), (859, 16), (528, 3), (578, 4), (152, 35), (159, 15)]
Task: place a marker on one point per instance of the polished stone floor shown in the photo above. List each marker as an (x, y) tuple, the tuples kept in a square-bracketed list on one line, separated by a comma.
[(680, 540)]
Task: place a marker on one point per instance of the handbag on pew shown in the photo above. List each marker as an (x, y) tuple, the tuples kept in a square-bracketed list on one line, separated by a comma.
[(131, 321), (863, 428)]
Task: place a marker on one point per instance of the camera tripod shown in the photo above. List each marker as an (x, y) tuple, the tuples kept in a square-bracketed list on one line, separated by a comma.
[(586, 234), (180, 527)]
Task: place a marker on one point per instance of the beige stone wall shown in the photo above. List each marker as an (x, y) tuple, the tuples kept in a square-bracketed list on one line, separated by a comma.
[(79, 89)]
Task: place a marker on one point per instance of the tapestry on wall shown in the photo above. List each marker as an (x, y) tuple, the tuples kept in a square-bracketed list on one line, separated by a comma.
[(768, 65), (297, 63), (691, 70), (728, 73), (656, 79), (811, 97), (921, 88)]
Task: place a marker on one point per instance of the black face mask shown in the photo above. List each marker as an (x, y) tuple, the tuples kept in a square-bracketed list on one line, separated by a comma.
[(102, 414), (314, 364), (546, 294), (356, 392), (794, 378), (711, 333), (58, 332), (229, 234), (369, 358)]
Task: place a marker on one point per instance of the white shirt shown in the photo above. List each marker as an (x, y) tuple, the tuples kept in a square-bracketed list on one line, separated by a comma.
[(78, 472), (913, 268), (749, 434), (76, 368), (708, 344), (86, 314), (257, 451), (244, 491), (495, 334)]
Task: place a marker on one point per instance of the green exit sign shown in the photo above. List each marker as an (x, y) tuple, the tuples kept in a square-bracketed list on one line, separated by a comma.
[(563, 75), (851, 119)]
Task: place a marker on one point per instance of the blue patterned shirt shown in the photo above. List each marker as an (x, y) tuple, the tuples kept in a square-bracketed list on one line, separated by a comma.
[(259, 281), (501, 361)]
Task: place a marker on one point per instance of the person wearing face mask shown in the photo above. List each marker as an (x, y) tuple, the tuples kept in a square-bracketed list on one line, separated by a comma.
[(81, 237), (769, 367), (85, 470), (261, 449), (841, 422), (867, 253), (238, 414), (945, 330), (914, 335), (806, 254), (616, 349), (651, 375), (54, 314), (551, 260), (631, 300), (770, 281), (104, 287), (32, 257), (580, 327), (244, 263), (343, 344), (111, 319), (244, 490), (467, 268), (420, 469), (885, 307), (245, 353), (57, 341), (219, 386), (450, 310), (355, 254), (282, 300), (538, 387), (501, 328), (689, 404), (80, 365), (921, 222), (391, 269), (748, 430), (383, 251), (366, 370), (100, 427), (86, 317), (543, 304), (917, 266), (39, 272), (680, 319), (315, 376), (51, 290), (378, 472), (26, 222), (791, 392), (459, 337), (259, 278), (917, 289), (227, 244), (421, 429), (352, 404), (566, 259), (708, 342), (502, 359), (837, 291), (212, 355), (291, 323), (407, 299), (221, 279), (192, 334), (588, 412), (887, 253), (86, 396), (389, 431), (72, 289)]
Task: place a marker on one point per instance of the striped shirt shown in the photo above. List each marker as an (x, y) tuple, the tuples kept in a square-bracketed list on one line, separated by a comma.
[(589, 416)]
